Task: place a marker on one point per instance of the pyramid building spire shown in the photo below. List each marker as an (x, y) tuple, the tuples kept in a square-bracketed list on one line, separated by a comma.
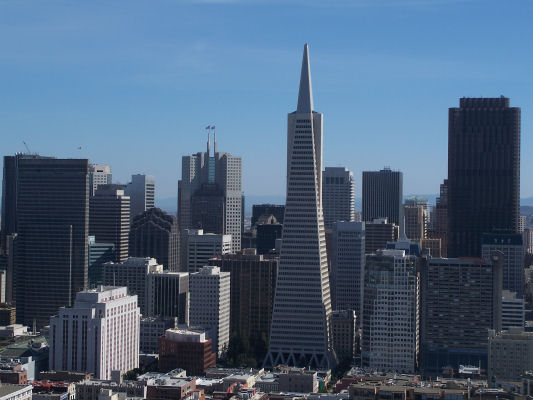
[(305, 94), (299, 334)]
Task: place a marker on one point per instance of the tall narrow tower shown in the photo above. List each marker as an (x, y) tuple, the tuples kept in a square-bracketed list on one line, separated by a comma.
[(299, 334)]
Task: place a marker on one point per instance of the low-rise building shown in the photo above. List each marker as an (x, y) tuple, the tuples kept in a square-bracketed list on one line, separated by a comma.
[(13, 330), (298, 380), (12, 372), (151, 329), (15, 392), (90, 389), (186, 349), (169, 388), (510, 355)]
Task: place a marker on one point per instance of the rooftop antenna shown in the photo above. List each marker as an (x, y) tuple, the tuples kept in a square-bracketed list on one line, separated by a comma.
[(27, 148)]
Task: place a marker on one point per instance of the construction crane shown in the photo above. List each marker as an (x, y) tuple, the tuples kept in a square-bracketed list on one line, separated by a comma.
[(27, 148)]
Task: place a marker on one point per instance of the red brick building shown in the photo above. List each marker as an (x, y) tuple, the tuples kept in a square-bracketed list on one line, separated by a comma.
[(189, 350)]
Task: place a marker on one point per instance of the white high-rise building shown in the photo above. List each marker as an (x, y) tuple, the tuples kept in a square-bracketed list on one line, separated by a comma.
[(210, 304), (347, 266), (198, 247), (210, 194), (338, 195), (99, 175), (141, 190), (100, 334), (300, 320), (390, 339)]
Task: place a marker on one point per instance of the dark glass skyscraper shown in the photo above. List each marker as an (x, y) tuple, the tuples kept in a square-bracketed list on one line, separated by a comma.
[(383, 195), (154, 233), (483, 172), (52, 220)]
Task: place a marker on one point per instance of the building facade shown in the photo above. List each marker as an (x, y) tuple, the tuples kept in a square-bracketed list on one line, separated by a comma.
[(252, 287), (344, 334), (167, 295), (151, 329), (510, 355), (154, 233), (383, 195), (100, 334), (99, 175), (132, 273), (378, 233), (109, 218), (483, 172), (210, 304), (347, 266), (511, 245), (300, 320), (338, 195), (455, 321), (186, 349), (390, 340), (513, 311), (141, 191), (99, 254), (198, 248), (268, 230), (52, 223)]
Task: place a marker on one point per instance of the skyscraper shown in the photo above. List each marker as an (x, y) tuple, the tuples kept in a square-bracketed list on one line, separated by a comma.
[(211, 311), (253, 284), (154, 233), (99, 175), (109, 218), (141, 191), (300, 321), (390, 312), (338, 195), (210, 194), (52, 218), (460, 301), (483, 172), (348, 266), (383, 195)]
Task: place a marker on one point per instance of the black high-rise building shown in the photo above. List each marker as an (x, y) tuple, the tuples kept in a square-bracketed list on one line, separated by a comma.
[(52, 221), (154, 233), (9, 196), (483, 172), (268, 230), (383, 195)]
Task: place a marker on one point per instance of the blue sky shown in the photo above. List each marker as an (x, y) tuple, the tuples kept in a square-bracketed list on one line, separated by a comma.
[(134, 83)]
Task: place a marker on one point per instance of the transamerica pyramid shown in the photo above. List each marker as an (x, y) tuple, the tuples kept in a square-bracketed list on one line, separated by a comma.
[(299, 333)]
